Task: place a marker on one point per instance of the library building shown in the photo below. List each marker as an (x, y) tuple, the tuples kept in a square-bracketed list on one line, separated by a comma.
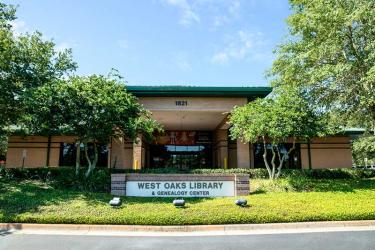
[(196, 136)]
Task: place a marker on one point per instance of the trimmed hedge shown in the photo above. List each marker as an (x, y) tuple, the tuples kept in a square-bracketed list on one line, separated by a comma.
[(61, 177), (99, 181)]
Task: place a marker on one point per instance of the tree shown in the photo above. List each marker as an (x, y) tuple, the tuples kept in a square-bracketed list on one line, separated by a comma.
[(27, 61), (272, 121), (331, 53), (94, 108), (364, 148)]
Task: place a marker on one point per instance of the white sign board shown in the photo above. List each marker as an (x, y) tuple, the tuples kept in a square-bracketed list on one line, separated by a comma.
[(180, 188)]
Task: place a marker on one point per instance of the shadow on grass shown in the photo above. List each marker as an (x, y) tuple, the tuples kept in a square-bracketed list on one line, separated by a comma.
[(29, 196), (323, 185), (313, 185)]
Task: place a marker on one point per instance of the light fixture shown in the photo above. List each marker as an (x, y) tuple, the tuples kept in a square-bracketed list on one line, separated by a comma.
[(179, 202), (241, 202), (115, 202)]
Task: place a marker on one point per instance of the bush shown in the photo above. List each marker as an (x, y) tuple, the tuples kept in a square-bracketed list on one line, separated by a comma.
[(344, 173), (100, 179), (254, 173), (61, 177), (364, 147)]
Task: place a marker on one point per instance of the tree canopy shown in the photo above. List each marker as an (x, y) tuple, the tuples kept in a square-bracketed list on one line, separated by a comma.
[(330, 51), (94, 108), (284, 116), (27, 61)]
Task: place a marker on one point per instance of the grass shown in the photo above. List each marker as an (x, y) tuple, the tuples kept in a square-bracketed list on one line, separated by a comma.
[(284, 200)]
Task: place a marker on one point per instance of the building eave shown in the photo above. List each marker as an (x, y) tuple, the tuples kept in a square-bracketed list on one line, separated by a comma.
[(198, 91)]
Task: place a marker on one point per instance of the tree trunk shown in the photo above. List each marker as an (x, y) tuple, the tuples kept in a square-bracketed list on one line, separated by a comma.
[(91, 165), (282, 159), (372, 110), (78, 157), (265, 158), (273, 161)]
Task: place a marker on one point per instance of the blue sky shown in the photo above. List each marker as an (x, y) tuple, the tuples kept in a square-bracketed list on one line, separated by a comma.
[(164, 42)]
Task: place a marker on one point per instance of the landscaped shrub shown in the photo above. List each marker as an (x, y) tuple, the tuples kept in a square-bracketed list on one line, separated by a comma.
[(254, 173), (61, 177), (99, 181)]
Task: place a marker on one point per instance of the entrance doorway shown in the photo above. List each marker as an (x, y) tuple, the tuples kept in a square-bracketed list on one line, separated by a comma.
[(196, 154)]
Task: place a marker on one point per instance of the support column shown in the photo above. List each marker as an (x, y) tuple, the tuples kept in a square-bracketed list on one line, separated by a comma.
[(222, 148), (138, 154), (121, 153), (243, 154)]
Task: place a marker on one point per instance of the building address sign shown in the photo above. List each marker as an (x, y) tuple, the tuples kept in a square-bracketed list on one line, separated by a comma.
[(181, 103)]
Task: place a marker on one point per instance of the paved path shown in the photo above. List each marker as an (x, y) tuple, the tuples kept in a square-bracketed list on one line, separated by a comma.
[(314, 240)]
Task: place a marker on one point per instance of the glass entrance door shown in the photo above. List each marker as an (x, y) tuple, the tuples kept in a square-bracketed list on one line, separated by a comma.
[(182, 157)]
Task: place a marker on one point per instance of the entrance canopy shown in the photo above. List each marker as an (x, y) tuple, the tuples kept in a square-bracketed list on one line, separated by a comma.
[(194, 108)]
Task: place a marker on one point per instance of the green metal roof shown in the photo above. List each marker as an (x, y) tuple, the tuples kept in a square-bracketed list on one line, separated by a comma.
[(199, 91), (353, 131)]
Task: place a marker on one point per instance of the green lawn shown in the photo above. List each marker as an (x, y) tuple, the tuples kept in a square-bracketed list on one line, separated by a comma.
[(285, 200)]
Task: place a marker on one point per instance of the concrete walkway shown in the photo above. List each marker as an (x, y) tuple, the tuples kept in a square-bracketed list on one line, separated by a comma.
[(196, 230)]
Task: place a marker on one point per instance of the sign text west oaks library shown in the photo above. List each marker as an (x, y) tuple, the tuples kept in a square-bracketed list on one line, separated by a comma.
[(179, 185)]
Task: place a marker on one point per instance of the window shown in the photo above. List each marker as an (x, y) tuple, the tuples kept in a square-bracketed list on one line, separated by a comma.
[(68, 154), (292, 161)]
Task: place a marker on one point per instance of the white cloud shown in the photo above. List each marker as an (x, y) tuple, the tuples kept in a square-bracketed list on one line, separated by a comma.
[(123, 44), (18, 27), (228, 13), (215, 12), (188, 16), (220, 58), (181, 61), (234, 7), (183, 65), (242, 46), (220, 20), (60, 47)]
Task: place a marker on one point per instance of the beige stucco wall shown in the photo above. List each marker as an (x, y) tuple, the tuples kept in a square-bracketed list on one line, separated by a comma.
[(121, 153), (243, 154), (36, 150), (330, 152), (223, 104)]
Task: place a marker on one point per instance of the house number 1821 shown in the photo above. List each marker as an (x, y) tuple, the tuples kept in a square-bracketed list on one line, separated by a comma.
[(181, 103)]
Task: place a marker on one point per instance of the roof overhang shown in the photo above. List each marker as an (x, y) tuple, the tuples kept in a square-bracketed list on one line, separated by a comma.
[(199, 91)]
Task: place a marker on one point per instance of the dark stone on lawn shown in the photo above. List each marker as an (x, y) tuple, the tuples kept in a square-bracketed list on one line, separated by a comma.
[(179, 203), (241, 202)]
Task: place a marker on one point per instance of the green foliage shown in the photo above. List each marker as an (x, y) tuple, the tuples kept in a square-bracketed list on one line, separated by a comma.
[(287, 114), (331, 53), (99, 180), (326, 200), (94, 108), (60, 178), (3, 145), (364, 148), (27, 61)]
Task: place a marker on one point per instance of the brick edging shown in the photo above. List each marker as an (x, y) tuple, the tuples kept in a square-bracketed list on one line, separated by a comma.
[(186, 228)]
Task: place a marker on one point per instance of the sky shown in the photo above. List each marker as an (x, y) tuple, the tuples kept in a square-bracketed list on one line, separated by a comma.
[(164, 42)]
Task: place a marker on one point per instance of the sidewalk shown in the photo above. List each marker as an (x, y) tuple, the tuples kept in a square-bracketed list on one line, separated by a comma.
[(194, 230)]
